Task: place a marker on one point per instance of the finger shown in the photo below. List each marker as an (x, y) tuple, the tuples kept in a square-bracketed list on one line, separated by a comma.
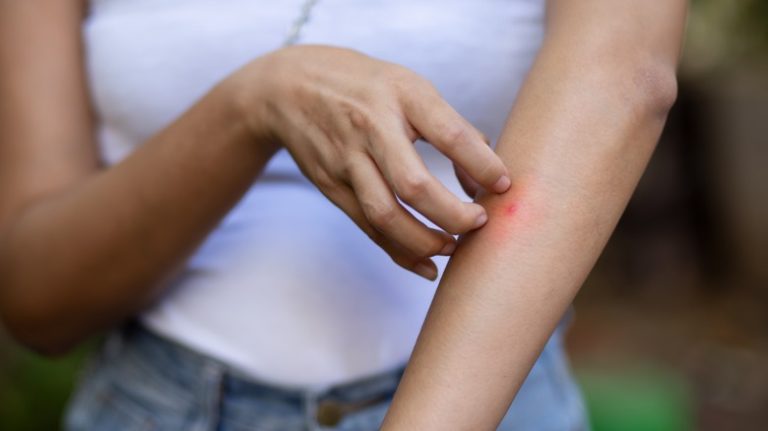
[(452, 135), (469, 185), (345, 198), (397, 159), (386, 215)]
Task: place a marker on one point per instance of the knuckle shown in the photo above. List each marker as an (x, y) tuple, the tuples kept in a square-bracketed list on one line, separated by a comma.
[(323, 179), (424, 85), (452, 135), (358, 116), (345, 168), (399, 75), (430, 247), (408, 83), (376, 132), (380, 214), (412, 185)]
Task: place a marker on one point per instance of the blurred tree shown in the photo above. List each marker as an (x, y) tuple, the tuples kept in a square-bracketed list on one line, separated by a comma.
[(34, 390)]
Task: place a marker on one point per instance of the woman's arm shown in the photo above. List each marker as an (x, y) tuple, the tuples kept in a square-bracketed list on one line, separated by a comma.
[(576, 142), (82, 247)]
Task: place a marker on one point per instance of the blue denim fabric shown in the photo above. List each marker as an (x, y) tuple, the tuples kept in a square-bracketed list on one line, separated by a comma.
[(140, 381)]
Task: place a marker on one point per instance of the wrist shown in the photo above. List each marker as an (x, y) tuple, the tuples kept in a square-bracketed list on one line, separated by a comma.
[(247, 108)]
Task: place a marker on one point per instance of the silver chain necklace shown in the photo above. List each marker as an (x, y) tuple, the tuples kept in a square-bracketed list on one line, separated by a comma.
[(295, 31)]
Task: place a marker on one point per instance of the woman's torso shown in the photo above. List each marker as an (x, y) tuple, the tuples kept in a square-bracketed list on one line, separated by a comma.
[(286, 288)]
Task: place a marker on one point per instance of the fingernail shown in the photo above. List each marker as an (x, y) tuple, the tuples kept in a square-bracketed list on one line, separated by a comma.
[(448, 248), (481, 219), (426, 271), (502, 184)]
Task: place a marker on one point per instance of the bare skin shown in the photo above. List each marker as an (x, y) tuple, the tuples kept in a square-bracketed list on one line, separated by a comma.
[(576, 142), (83, 246)]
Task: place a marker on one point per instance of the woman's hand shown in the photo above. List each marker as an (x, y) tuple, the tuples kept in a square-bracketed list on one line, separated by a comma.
[(350, 122)]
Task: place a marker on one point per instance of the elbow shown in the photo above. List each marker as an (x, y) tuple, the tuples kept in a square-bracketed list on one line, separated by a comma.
[(39, 306), (30, 310), (637, 91), (655, 87), (35, 328), (43, 339), (48, 348), (630, 66), (641, 81)]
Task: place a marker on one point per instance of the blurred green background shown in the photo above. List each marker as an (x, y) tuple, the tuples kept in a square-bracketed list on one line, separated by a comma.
[(671, 329), (671, 332)]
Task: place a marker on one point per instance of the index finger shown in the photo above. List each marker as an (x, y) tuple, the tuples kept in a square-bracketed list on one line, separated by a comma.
[(445, 129), (398, 161)]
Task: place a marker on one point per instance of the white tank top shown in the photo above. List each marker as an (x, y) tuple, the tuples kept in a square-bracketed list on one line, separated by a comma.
[(287, 289)]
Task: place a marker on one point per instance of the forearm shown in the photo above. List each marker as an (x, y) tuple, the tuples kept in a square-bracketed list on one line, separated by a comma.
[(86, 257), (576, 143)]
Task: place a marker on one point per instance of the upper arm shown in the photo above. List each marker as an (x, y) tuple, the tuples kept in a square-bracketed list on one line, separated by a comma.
[(46, 141), (626, 45), (652, 24)]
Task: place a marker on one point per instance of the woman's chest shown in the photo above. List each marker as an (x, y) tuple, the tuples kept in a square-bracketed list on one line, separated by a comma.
[(149, 60)]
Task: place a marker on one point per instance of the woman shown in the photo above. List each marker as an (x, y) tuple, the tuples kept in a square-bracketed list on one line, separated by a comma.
[(256, 303)]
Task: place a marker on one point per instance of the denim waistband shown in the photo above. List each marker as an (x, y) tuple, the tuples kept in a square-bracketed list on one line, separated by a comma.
[(142, 379), (188, 370)]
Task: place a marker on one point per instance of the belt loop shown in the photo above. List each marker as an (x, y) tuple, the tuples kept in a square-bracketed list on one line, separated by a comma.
[(213, 395), (113, 344), (310, 409), (116, 340)]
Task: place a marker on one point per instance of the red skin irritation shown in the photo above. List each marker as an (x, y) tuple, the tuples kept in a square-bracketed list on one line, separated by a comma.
[(501, 223), (510, 209), (512, 213), (506, 214)]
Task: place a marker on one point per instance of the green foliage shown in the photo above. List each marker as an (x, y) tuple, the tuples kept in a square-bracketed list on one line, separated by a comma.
[(752, 26), (640, 399), (34, 390), (727, 33)]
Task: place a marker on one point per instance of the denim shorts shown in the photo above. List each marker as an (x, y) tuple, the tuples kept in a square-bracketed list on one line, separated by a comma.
[(140, 381)]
